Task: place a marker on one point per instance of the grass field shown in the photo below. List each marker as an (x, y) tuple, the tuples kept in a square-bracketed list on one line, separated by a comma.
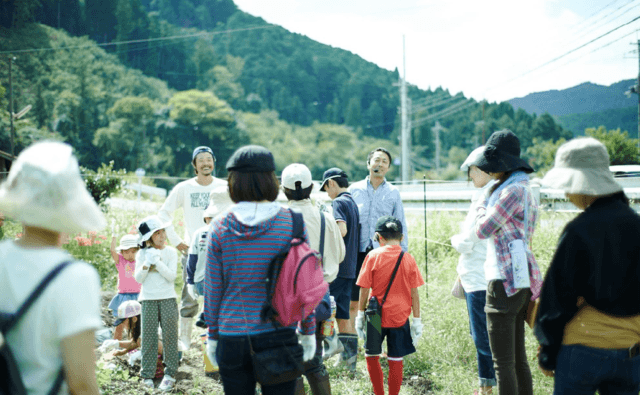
[(445, 362)]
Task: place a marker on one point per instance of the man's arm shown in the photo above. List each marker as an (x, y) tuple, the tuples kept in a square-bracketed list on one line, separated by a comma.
[(174, 201), (79, 362), (398, 212)]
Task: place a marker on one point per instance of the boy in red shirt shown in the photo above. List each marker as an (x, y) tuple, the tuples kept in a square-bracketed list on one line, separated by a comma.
[(403, 297)]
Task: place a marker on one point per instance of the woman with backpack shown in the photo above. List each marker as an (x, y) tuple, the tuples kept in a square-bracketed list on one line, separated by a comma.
[(507, 216), (45, 193), (241, 246)]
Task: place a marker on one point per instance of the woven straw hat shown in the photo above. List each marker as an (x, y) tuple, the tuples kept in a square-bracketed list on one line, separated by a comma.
[(582, 168), (44, 189)]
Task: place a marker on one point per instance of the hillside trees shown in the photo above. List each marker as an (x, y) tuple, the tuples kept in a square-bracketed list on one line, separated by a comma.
[(622, 150)]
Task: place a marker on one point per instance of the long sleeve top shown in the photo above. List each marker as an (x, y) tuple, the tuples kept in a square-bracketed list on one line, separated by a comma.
[(376, 203), (598, 258), (505, 222), (238, 257), (158, 283)]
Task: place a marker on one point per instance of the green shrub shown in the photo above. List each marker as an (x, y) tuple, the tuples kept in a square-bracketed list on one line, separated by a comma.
[(103, 182)]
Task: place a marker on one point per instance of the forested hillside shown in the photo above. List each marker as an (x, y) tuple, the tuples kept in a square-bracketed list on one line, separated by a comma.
[(171, 74)]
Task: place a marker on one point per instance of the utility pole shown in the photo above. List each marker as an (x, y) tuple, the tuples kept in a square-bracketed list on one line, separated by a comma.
[(403, 106), (13, 146), (638, 89), (436, 130)]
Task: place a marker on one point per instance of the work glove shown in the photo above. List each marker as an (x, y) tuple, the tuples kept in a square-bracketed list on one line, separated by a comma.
[(308, 343), (211, 352), (416, 330), (152, 256), (191, 291), (360, 325), (459, 243), (135, 356), (109, 345)]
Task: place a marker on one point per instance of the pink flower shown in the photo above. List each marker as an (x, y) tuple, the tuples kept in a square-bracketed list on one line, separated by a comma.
[(19, 235), (97, 242), (103, 237), (133, 232), (180, 223)]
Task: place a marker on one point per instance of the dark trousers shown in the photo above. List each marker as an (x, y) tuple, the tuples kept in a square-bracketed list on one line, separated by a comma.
[(236, 369), (505, 323)]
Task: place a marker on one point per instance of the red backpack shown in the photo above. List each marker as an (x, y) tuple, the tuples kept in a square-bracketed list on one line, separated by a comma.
[(294, 282)]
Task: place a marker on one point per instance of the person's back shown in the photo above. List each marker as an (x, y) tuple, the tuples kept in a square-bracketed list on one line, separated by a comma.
[(57, 331)]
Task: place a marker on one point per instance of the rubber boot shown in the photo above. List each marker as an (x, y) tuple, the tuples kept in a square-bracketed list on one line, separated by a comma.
[(333, 346), (186, 325), (319, 383), (350, 353), (299, 387)]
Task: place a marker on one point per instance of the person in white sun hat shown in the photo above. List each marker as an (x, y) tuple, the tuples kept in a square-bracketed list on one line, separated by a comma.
[(156, 270), (124, 257), (44, 191), (588, 322)]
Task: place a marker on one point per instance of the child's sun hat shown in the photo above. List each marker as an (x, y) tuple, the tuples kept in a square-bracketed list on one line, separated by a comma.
[(148, 226), (219, 202), (44, 190), (126, 242), (128, 309)]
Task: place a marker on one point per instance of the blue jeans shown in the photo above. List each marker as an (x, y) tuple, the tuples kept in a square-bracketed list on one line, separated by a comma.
[(581, 370), (478, 329), (236, 369)]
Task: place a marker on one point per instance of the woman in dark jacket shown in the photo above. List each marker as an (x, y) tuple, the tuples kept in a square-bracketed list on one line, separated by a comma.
[(588, 322)]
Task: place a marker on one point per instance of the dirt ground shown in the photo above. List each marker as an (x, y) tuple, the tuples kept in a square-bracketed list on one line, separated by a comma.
[(191, 377)]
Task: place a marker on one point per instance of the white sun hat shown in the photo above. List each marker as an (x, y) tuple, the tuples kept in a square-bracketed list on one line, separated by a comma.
[(219, 202), (129, 308), (148, 226), (296, 172), (582, 168), (472, 158), (44, 189), (127, 241)]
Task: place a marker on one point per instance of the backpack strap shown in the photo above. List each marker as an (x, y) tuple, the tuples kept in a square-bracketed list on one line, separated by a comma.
[(393, 276), (15, 317)]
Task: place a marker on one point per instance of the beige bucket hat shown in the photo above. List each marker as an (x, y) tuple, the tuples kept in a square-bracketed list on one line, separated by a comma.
[(44, 189), (582, 168), (219, 202)]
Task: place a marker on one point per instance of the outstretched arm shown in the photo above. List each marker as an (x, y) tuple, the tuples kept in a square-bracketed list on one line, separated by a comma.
[(114, 253)]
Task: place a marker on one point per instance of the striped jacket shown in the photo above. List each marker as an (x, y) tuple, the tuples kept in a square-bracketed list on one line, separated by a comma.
[(237, 260), (505, 221)]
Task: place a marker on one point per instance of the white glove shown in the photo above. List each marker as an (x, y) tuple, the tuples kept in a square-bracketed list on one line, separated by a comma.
[(360, 326), (460, 245), (416, 330), (109, 345), (308, 343), (191, 291), (135, 356), (211, 352), (152, 256)]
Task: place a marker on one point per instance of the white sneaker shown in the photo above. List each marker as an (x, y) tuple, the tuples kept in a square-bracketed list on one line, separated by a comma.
[(167, 384), (147, 383)]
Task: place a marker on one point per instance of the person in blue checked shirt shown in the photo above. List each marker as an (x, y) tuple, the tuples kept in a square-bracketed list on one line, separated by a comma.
[(375, 198)]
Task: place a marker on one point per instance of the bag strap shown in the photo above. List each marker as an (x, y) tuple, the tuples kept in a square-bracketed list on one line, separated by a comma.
[(322, 236), (35, 294), (393, 276)]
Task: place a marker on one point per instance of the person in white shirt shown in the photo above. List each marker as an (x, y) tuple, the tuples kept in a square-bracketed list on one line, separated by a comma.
[(192, 196), (473, 252), (44, 191)]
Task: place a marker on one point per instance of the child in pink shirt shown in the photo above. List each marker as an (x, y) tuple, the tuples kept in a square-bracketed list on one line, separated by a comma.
[(124, 256)]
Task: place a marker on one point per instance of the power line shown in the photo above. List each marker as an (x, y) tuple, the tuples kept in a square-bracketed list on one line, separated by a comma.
[(445, 113), (155, 39), (436, 104)]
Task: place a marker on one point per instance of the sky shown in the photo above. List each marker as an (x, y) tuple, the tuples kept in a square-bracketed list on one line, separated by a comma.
[(491, 50)]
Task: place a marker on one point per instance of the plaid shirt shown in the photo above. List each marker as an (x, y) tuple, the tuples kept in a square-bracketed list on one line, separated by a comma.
[(505, 221)]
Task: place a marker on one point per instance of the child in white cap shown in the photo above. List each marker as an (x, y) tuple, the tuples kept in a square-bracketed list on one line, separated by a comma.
[(45, 193), (156, 270), (124, 257)]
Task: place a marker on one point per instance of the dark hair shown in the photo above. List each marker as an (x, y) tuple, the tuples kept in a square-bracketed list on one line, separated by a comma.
[(391, 235), (379, 149), (135, 330), (253, 187), (298, 193), (505, 176), (342, 182)]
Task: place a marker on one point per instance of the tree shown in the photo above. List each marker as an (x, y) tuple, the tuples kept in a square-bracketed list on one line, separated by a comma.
[(542, 154), (622, 150), (352, 115)]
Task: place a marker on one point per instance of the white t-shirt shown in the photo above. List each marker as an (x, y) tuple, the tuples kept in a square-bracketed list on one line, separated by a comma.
[(193, 198), (68, 306), (199, 247), (157, 284)]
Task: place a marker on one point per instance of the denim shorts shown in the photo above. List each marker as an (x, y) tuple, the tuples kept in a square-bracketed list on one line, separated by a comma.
[(399, 342), (340, 289)]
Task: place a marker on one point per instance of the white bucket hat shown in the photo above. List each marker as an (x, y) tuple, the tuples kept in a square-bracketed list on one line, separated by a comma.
[(127, 241), (129, 308), (472, 158), (219, 202), (296, 172), (148, 226), (582, 168), (44, 189)]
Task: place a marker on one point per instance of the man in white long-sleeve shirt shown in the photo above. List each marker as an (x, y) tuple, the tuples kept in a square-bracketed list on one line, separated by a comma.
[(192, 196)]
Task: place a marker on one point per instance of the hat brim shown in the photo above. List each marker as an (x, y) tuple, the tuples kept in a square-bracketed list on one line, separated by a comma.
[(502, 163), (324, 184), (123, 247), (592, 182), (146, 237)]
